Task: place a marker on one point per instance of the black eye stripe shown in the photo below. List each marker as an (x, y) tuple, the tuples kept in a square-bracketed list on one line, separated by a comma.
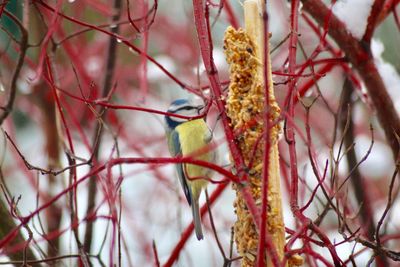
[(183, 108)]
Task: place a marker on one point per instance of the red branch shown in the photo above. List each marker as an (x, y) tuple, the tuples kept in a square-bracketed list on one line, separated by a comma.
[(390, 5), (231, 16), (360, 57), (204, 37), (290, 135), (189, 230), (376, 10), (124, 41), (144, 86), (108, 165), (49, 78), (290, 138), (396, 18), (329, 65)]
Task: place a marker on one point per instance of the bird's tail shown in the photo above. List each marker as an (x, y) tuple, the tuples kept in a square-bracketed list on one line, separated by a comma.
[(197, 219)]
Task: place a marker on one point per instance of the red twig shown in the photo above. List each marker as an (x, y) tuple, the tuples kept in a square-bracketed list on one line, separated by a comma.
[(126, 42), (189, 230), (396, 18), (128, 11), (231, 16), (55, 20), (144, 86), (265, 242), (362, 60), (212, 73), (330, 65), (204, 35), (290, 137), (49, 78), (115, 162), (105, 104), (389, 6), (376, 10)]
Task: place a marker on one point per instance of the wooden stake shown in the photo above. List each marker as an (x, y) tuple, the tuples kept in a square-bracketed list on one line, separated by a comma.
[(244, 50), (254, 25)]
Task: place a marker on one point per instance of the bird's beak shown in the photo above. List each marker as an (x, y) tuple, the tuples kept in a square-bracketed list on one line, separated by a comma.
[(200, 108)]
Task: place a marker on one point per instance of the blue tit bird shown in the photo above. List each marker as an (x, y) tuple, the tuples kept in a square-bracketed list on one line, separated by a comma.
[(190, 138)]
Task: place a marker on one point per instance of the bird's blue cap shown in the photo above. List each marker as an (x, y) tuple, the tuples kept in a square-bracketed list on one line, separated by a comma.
[(171, 122), (179, 102), (179, 106)]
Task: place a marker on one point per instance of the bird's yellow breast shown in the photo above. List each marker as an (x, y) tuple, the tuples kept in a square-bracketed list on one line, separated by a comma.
[(193, 136)]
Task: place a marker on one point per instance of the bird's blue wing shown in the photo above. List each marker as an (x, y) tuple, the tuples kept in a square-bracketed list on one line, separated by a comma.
[(175, 149)]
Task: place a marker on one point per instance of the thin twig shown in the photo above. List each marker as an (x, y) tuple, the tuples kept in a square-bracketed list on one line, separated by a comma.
[(23, 45), (373, 20), (361, 191), (110, 68), (361, 58)]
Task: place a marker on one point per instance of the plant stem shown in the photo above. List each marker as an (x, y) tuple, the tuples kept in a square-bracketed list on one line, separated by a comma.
[(8, 225), (359, 55), (110, 67), (360, 188)]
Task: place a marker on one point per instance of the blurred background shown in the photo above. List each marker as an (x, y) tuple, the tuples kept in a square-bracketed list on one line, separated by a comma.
[(89, 77)]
